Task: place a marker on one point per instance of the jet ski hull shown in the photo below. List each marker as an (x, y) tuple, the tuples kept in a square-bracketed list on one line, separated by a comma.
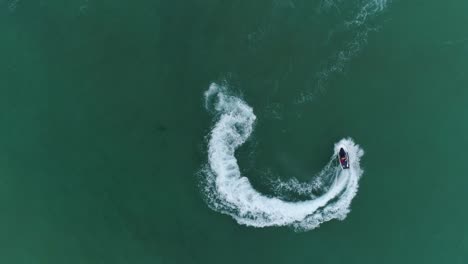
[(344, 162)]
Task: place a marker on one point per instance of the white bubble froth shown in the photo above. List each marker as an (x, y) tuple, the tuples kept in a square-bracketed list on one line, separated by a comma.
[(229, 192)]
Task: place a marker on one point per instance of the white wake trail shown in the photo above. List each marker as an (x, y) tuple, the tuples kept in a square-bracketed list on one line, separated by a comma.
[(229, 192)]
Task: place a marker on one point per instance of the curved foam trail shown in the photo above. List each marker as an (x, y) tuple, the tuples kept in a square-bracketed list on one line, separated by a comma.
[(229, 192)]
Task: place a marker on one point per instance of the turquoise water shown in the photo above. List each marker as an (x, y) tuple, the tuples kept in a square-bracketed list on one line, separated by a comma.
[(105, 137)]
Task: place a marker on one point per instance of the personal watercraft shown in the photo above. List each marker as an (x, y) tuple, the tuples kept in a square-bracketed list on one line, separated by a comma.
[(343, 158)]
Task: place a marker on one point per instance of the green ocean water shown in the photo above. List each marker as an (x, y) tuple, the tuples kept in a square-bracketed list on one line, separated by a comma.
[(103, 128)]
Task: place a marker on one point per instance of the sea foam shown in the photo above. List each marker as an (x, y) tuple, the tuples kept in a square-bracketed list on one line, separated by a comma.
[(229, 192)]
